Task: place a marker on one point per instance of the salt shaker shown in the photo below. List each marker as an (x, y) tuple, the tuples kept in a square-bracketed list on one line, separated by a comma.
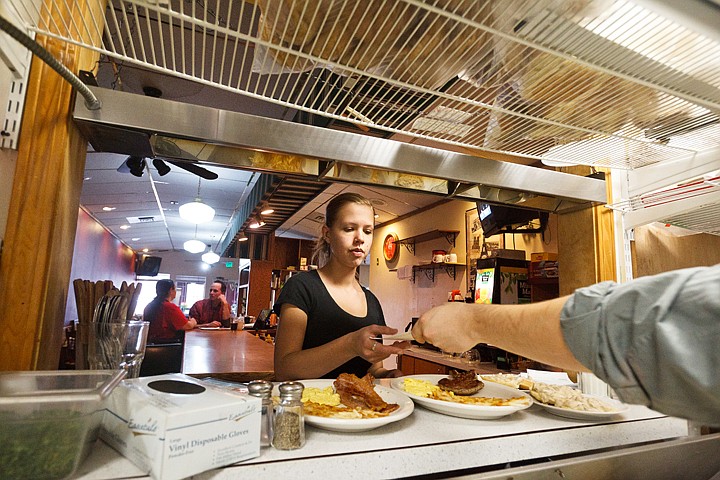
[(289, 427), (263, 389)]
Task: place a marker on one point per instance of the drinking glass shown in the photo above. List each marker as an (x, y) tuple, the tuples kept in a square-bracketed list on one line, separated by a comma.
[(118, 344)]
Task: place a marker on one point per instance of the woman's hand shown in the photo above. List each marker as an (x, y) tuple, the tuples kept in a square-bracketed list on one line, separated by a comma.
[(374, 350)]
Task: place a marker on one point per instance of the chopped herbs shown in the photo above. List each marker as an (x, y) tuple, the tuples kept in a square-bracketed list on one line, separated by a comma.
[(45, 444)]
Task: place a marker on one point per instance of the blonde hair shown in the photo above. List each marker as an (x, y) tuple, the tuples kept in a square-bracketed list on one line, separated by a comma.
[(321, 251)]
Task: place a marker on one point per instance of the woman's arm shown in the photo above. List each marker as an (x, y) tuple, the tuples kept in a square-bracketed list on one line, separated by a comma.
[(292, 362), (531, 330)]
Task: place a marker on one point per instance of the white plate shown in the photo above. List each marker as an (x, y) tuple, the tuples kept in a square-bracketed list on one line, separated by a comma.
[(359, 424), (583, 415), (464, 410)]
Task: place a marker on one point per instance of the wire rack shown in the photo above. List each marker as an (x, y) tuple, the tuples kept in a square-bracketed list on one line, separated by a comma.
[(596, 82)]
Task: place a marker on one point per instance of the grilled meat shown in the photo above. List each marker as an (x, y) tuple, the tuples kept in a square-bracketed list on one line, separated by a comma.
[(461, 383)]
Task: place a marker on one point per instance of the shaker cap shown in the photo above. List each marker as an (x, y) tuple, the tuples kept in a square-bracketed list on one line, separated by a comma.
[(260, 388), (291, 390)]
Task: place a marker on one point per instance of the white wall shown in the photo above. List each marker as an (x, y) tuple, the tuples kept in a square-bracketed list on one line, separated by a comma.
[(401, 299)]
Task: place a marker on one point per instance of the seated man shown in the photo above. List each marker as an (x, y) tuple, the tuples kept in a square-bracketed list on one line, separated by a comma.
[(213, 311), (166, 319)]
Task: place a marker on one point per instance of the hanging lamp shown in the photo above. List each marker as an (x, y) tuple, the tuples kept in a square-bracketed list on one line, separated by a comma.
[(210, 257), (197, 211), (194, 245)]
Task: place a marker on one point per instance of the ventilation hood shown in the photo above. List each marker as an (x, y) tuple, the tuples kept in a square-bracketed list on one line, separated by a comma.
[(154, 127)]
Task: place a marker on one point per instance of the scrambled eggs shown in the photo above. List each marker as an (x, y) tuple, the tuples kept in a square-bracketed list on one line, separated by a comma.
[(421, 388), (322, 396)]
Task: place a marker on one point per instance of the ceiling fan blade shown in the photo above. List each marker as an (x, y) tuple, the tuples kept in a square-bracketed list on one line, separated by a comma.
[(196, 169)]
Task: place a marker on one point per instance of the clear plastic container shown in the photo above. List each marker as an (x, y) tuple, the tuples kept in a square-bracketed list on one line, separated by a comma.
[(50, 420)]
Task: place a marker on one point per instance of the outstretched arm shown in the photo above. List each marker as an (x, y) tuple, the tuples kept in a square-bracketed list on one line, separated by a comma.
[(531, 330)]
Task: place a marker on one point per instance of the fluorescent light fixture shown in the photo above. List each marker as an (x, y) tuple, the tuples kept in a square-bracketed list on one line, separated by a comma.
[(210, 257), (242, 237), (194, 246), (267, 211), (108, 209), (196, 212)]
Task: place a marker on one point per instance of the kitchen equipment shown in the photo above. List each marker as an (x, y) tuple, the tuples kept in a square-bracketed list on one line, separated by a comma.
[(51, 420)]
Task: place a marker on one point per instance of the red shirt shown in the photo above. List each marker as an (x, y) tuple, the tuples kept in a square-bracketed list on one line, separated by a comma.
[(165, 318), (204, 312)]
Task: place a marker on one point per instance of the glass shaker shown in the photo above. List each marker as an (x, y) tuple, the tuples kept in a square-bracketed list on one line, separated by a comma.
[(289, 427), (263, 389)]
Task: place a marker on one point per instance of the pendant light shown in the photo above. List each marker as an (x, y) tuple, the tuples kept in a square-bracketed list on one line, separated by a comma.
[(210, 257), (194, 245), (196, 211)]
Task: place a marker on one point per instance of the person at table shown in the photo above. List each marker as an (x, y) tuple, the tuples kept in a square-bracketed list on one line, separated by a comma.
[(327, 319), (653, 340), (213, 311), (166, 319)]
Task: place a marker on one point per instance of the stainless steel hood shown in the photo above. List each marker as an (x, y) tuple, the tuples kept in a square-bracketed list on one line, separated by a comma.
[(153, 127)]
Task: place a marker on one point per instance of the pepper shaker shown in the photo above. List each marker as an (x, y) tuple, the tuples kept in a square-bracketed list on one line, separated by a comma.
[(263, 389), (288, 423)]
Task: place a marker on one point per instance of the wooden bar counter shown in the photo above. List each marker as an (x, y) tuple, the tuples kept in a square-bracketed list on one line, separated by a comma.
[(235, 356)]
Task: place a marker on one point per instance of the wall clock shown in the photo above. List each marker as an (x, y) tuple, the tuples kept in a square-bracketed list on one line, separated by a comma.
[(390, 247)]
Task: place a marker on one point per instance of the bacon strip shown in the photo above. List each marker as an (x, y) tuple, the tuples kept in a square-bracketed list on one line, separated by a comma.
[(360, 393)]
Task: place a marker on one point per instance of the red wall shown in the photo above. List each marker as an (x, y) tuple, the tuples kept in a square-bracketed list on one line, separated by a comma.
[(97, 256)]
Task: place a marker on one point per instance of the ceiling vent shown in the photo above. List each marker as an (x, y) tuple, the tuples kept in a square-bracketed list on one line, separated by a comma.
[(149, 219)]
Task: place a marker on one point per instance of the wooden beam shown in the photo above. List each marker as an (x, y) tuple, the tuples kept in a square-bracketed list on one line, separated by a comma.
[(42, 216)]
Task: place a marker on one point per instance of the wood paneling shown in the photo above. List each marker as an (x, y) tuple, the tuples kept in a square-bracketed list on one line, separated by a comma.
[(42, 215), (586, 247), (260, 274)]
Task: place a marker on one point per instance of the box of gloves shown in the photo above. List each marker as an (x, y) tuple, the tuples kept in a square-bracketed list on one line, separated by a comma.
[(173, 426)]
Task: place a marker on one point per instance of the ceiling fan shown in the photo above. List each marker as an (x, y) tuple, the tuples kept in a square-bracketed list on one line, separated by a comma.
[(136, 166)]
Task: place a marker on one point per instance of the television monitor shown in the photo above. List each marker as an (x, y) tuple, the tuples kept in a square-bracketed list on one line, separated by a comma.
[(147, 265), (496, 219)]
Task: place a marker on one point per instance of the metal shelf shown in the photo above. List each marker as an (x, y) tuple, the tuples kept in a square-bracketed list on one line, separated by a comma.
[(409, 242), (429, 270)]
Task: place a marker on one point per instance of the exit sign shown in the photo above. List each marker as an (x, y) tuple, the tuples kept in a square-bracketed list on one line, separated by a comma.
[(228, 264)]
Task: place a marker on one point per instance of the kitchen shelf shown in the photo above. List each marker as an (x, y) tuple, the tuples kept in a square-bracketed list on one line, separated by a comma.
[(409, 242), (429, 269)]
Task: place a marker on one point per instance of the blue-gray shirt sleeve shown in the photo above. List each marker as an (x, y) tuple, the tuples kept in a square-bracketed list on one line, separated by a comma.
[(655, 341)]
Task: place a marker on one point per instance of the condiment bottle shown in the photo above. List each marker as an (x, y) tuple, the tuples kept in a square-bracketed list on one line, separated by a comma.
[(263, 389), (289, 427)]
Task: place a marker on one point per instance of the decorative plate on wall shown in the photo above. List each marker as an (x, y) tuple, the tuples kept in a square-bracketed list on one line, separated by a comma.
[(390, 247)]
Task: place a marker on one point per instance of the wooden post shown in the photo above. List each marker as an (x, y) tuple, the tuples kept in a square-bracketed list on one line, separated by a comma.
[(586, 246), (42, 216)]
